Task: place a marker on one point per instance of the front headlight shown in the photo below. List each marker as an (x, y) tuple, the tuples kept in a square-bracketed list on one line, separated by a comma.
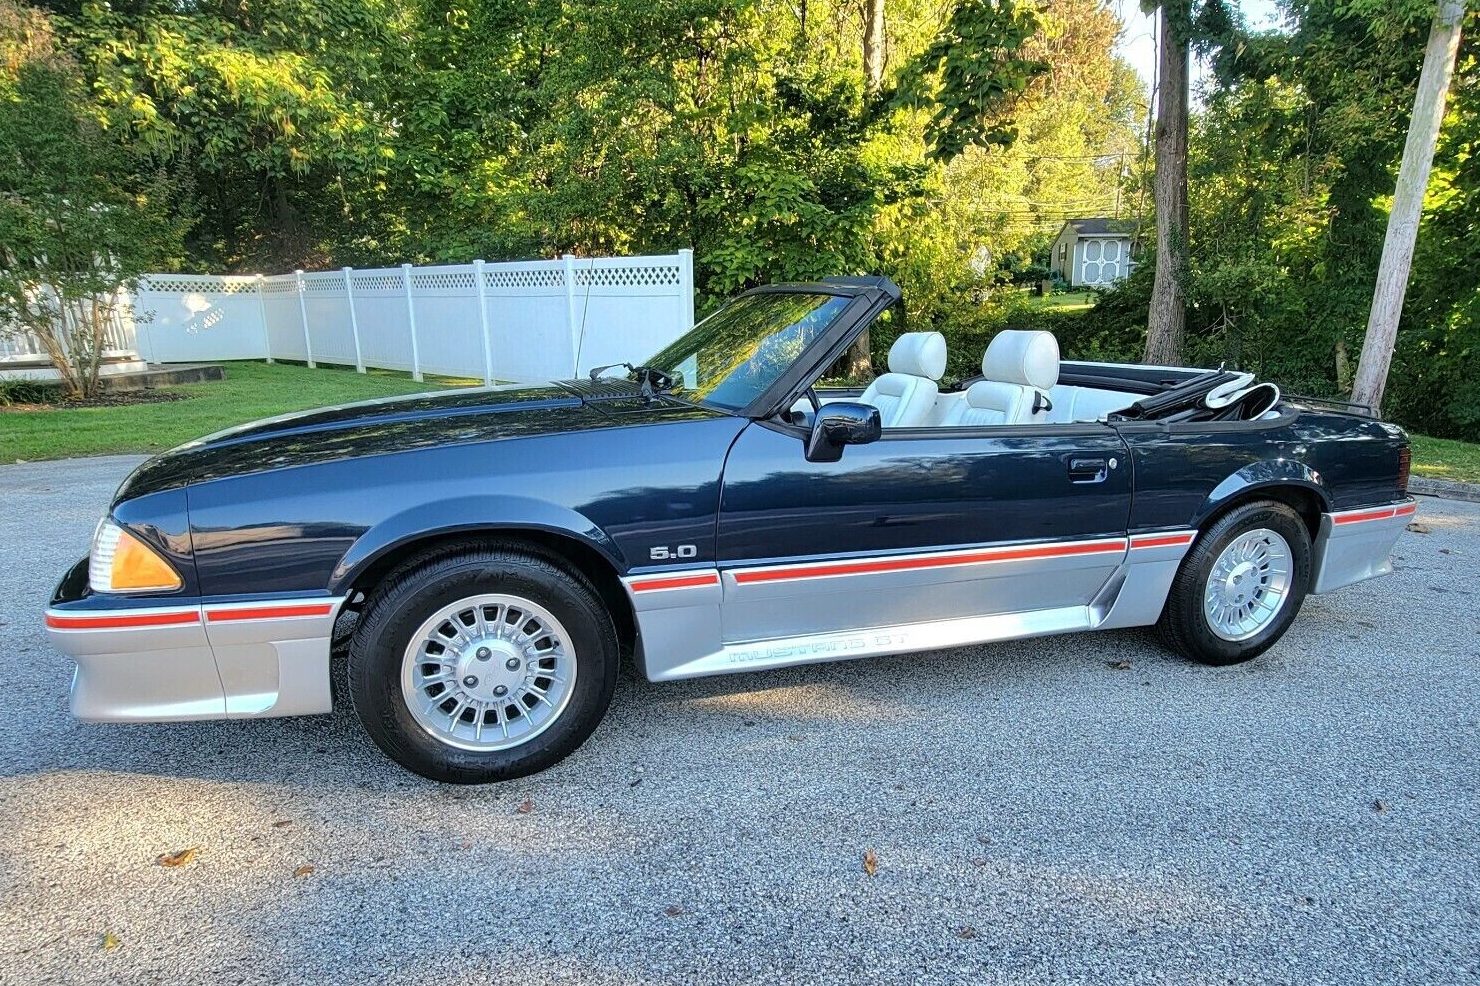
[(121, 562)]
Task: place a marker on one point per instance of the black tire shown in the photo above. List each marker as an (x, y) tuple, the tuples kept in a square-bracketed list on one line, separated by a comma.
[(1184, 626), (408, 598)]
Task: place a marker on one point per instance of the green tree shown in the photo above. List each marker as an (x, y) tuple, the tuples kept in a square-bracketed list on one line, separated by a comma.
[(282, 113), (78, 220)]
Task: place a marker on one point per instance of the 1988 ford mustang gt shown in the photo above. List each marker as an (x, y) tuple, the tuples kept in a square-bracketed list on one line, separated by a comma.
[(487, 556)]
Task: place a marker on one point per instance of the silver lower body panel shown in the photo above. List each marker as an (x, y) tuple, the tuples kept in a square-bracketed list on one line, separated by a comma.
[(1355, 545), (211, 661), (703, 622)]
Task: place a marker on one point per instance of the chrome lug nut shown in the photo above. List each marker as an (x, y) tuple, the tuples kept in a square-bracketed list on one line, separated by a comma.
[(512, 664), (471, 681), (500, 690), (483, 654)]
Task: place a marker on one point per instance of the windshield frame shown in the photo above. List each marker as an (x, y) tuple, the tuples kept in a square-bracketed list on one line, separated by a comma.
[(869, 297)]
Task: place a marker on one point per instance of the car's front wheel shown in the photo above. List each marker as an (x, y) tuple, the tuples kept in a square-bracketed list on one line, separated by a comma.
[(1240, 587), (482, 665)]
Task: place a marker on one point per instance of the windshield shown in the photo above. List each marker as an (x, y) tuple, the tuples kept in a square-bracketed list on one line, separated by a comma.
[(732, 356)]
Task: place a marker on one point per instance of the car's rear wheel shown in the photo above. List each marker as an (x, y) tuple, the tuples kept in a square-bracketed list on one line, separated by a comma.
[(483, 665), (1240, 587)]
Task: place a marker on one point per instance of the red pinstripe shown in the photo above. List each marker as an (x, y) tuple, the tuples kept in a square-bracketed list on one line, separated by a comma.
[(676, 582), (1161, 540), (122, 621), (269, 612), (866, 567)]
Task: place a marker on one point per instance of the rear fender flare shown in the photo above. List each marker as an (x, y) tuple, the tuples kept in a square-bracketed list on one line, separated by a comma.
[(476, 514), (1263, 475)]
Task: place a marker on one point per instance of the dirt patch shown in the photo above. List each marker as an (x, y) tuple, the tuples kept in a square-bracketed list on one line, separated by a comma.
[(122, 398)]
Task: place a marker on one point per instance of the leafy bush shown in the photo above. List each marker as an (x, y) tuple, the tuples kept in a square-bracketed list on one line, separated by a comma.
[(14, 392)]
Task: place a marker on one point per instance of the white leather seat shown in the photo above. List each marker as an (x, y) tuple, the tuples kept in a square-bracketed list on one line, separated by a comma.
[(1019, 368), (905, 395)]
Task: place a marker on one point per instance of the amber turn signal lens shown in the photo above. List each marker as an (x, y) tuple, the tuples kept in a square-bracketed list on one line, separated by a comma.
[(123, 563)]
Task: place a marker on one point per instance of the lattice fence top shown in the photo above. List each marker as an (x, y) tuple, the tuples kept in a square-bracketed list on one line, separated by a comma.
[(377, 282), (197, 284), (627, 276), (323, 283), (444, 280), (524, 277)]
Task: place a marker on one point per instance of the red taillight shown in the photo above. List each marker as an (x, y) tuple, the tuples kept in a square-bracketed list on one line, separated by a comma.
[(1405, 461)]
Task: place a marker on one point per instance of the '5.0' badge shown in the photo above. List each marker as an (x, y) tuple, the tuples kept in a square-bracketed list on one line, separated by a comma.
[(679, 551)]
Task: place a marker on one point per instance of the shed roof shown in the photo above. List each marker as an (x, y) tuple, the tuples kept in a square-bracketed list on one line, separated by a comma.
[(1101, 226)]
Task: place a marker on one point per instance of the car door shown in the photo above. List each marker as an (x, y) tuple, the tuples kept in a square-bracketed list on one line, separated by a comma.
[(1019, 528)]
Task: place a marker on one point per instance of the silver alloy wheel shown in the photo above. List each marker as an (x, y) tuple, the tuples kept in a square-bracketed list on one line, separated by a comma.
[(1248, 585), (488, 672)]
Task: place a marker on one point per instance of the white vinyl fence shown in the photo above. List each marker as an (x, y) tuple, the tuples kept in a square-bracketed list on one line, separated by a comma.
[(526, 321)]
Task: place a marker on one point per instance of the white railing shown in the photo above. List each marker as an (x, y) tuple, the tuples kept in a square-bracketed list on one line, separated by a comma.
[(18, 346), (525, 321)]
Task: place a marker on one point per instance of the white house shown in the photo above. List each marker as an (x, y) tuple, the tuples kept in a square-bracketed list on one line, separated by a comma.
[(1093, 252)]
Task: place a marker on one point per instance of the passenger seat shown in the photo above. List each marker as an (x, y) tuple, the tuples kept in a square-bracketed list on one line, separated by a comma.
[(906, 394), (1019, 368)]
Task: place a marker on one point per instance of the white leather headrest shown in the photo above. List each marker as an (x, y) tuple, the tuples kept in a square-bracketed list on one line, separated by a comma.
[(920, 354), (1028, 359)]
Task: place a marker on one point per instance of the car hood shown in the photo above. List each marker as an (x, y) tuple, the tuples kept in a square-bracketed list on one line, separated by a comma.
[(403, 424)]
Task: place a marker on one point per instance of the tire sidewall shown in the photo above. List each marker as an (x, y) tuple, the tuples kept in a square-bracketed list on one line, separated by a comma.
[(1195, 631), (380, 644)]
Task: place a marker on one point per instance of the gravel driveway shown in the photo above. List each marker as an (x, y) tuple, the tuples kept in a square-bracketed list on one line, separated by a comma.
[(1036, 814)]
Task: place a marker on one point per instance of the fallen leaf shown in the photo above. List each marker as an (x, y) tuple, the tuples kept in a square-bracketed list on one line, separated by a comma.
[(1444, 551), (673, 910), (305, 870), (1118, 665), (110, 941), (282, 823), (967, 933), (635, 782), (984, 839), (526, 806), (1379, 806), (979, 861), (465, 844), (178, 858), (1418, 528), (870, 862)]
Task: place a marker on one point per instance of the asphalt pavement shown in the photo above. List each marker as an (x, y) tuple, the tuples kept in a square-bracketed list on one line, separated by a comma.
[(1032, 812)]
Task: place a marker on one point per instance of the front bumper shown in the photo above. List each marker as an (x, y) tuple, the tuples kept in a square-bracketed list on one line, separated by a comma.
[(1354, 545), (191, 658)]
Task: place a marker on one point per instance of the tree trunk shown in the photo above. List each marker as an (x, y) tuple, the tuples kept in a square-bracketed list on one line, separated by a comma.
[(1402, 228), (873, 44), (1166, 322), (860, 364)]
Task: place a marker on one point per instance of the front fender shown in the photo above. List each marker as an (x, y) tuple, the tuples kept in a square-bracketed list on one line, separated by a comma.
[(1264, 475), (463, 514)]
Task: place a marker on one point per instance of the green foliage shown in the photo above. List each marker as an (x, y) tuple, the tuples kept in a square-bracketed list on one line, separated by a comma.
[(1293, 160), (971, 73), (79, 221)]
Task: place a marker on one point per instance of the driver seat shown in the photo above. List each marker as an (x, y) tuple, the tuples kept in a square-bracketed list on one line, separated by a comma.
[(905, 396)]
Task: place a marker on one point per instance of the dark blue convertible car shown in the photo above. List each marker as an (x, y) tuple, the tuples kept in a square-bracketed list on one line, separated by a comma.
[(488, 557)]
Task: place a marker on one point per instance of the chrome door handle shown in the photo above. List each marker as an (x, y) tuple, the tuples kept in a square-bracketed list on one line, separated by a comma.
[(1088, 470)]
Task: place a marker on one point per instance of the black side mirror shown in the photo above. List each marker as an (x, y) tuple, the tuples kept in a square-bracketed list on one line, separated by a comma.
[(840, 424)]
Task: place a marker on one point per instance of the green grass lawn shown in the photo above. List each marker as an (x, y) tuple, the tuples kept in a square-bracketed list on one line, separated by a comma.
[(1073, 301), (1445, 458), (250, 391)]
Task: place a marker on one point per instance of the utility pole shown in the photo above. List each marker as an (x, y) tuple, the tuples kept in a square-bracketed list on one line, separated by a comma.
[(860, 362), (1402, 228)]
